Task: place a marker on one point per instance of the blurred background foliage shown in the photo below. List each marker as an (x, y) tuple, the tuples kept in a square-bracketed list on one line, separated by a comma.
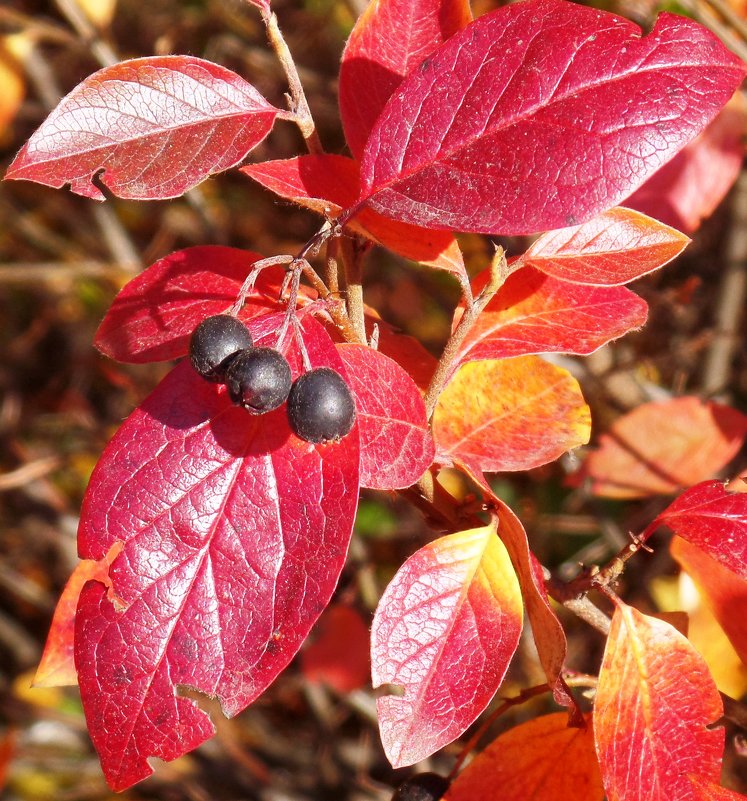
[(62, 259)]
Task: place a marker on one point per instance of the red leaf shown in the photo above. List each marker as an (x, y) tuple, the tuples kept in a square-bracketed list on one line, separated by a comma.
[(327, 183), (8, 747), (655, 701), (323, 183), (542, 759), (396, 442), (661, 447), (614, 247), (156, 126), (444, 631), (389, 40), (152, 318), (540, 115), (708, 791), (712, 516), (724, 592), (338, 655), (688, 189), (509, 414), (234, 533), (533, 313)]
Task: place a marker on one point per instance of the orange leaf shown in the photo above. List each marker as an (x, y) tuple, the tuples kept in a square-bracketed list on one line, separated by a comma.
[(543, 760), (535, 313), (655, 701), (338, 652), (724, 592), (56, 668), (327, 184), (510, 414), (444, 631), (661, 447), (612, 248), (708, 791)]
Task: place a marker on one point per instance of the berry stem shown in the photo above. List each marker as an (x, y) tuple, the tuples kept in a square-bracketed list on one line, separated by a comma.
[(250, 280), (291, 285)]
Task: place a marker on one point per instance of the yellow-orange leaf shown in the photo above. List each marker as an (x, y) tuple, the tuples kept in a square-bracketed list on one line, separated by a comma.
[(655, 701), (543, 760), (56, 668), (661, 447), (725, 592), (510, 414), (100, 12), (11, 79)]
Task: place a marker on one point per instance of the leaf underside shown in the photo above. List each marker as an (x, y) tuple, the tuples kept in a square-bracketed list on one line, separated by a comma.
[(152, 127)]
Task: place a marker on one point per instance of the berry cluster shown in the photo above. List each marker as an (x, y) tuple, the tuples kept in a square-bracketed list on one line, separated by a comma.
[(320, 404)]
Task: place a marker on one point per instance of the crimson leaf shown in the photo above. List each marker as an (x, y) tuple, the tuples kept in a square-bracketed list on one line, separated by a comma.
[(155, 126), (153, 316), (540, 115), (713, 516), (388, 42), (396, 442), (234, 533)]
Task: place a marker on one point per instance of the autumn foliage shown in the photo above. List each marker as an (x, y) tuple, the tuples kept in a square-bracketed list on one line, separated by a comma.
[(212, 540)]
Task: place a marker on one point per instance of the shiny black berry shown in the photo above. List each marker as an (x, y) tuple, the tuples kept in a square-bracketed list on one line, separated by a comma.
[(422, 787), (258, 379), (320, 406), (214, 341)]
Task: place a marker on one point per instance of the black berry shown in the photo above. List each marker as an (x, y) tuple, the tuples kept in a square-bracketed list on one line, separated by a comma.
[(422, 787), (258, 379), (214, 341), (320, 406)]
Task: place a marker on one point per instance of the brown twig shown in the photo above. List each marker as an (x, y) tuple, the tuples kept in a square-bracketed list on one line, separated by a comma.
[(91, 37), (28, 472), (499, 271), (589, 612), (732, 295), (299, 104), (353, 269)]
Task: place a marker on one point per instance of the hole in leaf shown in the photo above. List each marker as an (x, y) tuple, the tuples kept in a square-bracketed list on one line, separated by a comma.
[(396, 690), (209, 704)]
